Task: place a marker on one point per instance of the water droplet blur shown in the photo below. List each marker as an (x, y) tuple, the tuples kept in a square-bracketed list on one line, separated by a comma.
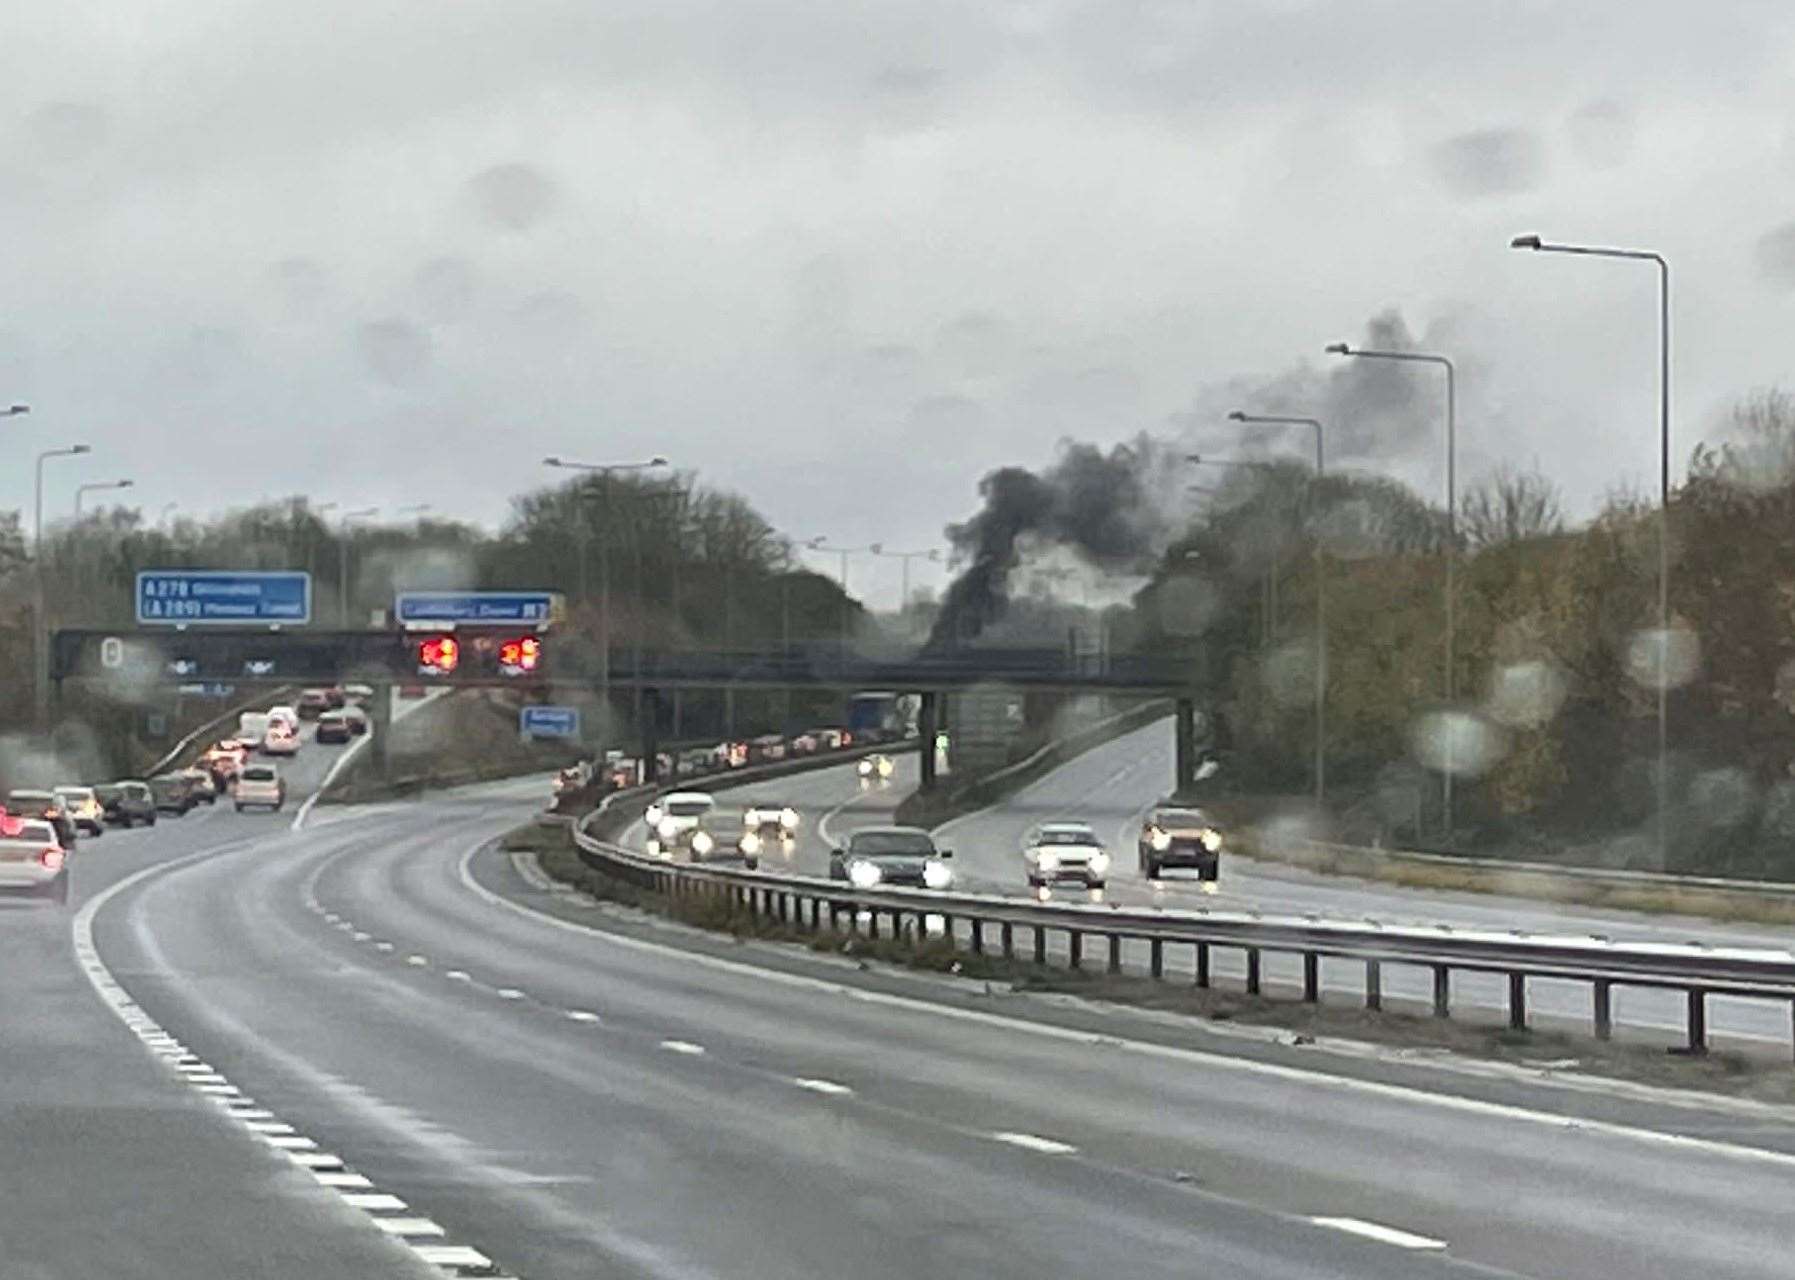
[(395, 351), (1526, 695), (1779, 811), (1667, 659), (1462, 743), (1289, 674), (1187, 604), (1721, 797), (444, 287), (513, 197)]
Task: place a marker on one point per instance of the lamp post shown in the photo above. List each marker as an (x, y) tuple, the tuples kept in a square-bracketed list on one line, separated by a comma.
[(15, 410), (82, 490), (42, 629), (343, 560), (1321, 598), (603, 470), (1537, 245), (1423, 357), (932, 555), (821, 543)]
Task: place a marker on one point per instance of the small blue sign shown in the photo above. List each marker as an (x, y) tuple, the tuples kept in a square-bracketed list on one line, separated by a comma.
[(548, 722), (245, 598), (532, 608)]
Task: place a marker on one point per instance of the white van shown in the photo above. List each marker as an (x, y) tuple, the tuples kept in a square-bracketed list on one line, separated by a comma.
[(252, 727)]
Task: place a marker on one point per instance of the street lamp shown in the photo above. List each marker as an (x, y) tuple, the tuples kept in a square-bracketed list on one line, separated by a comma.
[(14, 410), (1422, 357), (1321, 599), (41, 638), (343, 560), (603, 470), (1537, 245), (821, 543), (82, 490), (932, 555)]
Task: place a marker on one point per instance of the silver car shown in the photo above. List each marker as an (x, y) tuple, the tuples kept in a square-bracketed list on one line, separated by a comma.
[(32, 859)]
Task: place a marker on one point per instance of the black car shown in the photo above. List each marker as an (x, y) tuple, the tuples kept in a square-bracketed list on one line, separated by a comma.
[(877, 856), (334, 726), (128, 804), (174, 793), (1180, 836), (312, 704), (47, 806)]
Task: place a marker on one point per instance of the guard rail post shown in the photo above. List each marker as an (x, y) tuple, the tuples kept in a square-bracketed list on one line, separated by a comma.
[(1374, 984), (1603, 993), (1009, 941), (1442, 991), (1075, 945), (978, 936), (1311, 977), (1202, 964), (1156, 958), (1698, 1020), (1040, 944), (1115, 953), (1252, 971), (1517, 1001)]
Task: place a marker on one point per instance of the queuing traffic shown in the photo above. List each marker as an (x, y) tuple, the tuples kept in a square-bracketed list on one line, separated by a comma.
[(42, 828)]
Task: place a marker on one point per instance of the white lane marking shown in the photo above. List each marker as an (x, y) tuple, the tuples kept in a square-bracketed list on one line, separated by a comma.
[(383, 946), (683, 1046), (1309, 1076), (329, 1170), (408, 1226), (369, 1201), (453, 1255), (416, 961), (1376, 1231), (1035, 1142), (458, 975), (581, 1015), (510, 993), (360, 936), (822, 1086)]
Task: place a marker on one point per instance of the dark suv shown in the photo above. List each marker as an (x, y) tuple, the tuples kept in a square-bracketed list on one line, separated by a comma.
[(128, 804), (174, 792), (1180, 836)]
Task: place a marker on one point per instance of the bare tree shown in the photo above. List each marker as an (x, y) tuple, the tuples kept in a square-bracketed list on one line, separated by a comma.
[(1510, 506)]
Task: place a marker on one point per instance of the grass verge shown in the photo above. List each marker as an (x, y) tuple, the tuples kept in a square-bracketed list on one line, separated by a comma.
[(1721, 1072)]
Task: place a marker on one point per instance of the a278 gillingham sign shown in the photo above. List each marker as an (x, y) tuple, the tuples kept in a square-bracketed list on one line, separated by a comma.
[(230, 597)]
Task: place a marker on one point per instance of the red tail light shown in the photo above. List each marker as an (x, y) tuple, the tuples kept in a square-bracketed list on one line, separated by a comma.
[(51, 857)]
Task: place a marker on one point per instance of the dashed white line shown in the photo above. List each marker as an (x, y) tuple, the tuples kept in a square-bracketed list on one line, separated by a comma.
[(361, 935), (510, 993), (408, 1226), (457, 1256), (383, 946), (822, 1086), (416, 961), (458, 975), (1379, 1232), (289, 1141), (339, 1180), (375, 1200), (268, 1126), (315, 1159), (581, 1015), (1035, 1142), (683, 1046)]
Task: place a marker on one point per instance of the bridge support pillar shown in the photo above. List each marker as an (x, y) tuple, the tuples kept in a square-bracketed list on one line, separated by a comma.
[(649, 724), (380, 728), (1185, 765), (928, 725)]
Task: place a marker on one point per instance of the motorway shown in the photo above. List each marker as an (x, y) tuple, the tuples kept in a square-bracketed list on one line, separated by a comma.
[(495, 1071)]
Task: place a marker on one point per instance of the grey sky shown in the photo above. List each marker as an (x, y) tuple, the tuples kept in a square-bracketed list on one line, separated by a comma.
[(848, 256)]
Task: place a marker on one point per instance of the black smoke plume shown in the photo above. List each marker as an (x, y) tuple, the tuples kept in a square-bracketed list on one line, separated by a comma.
[(1100, 505)]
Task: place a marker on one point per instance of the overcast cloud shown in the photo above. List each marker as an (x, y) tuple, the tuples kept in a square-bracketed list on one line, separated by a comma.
[(847, 256)]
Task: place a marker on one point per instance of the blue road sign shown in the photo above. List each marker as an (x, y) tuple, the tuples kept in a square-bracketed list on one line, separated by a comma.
[(231, 597), (548, 722), (531, 608)]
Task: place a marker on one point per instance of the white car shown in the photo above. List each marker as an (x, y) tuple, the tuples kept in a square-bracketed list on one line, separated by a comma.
[(676, 821), (32, 859), (879, 766), (282, 739), (260, 785), (83, 808), (252, 727), (286, 713), (1059, 851)]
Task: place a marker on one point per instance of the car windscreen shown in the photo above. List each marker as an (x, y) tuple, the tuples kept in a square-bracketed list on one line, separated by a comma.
[(1181, 819), (21, 802), (254, 774), (891, 844), (1067, 835), (688, 808)]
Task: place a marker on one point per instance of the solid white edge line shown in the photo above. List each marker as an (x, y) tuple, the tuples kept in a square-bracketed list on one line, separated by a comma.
[(1379, 1232), (328, 1170), (822, 1086), (683, 1046), (1220, 1061)]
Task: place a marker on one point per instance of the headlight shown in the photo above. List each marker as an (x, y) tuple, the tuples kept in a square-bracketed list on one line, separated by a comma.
[(667, 827), (750, 842), (788, 818), (702, 842), (866, 768), (1160, 840), (1211, 838), (863, 874), (937, 875), (751, 818), (653, 816), (1044, 860), (1099, 862), (885, 767)]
